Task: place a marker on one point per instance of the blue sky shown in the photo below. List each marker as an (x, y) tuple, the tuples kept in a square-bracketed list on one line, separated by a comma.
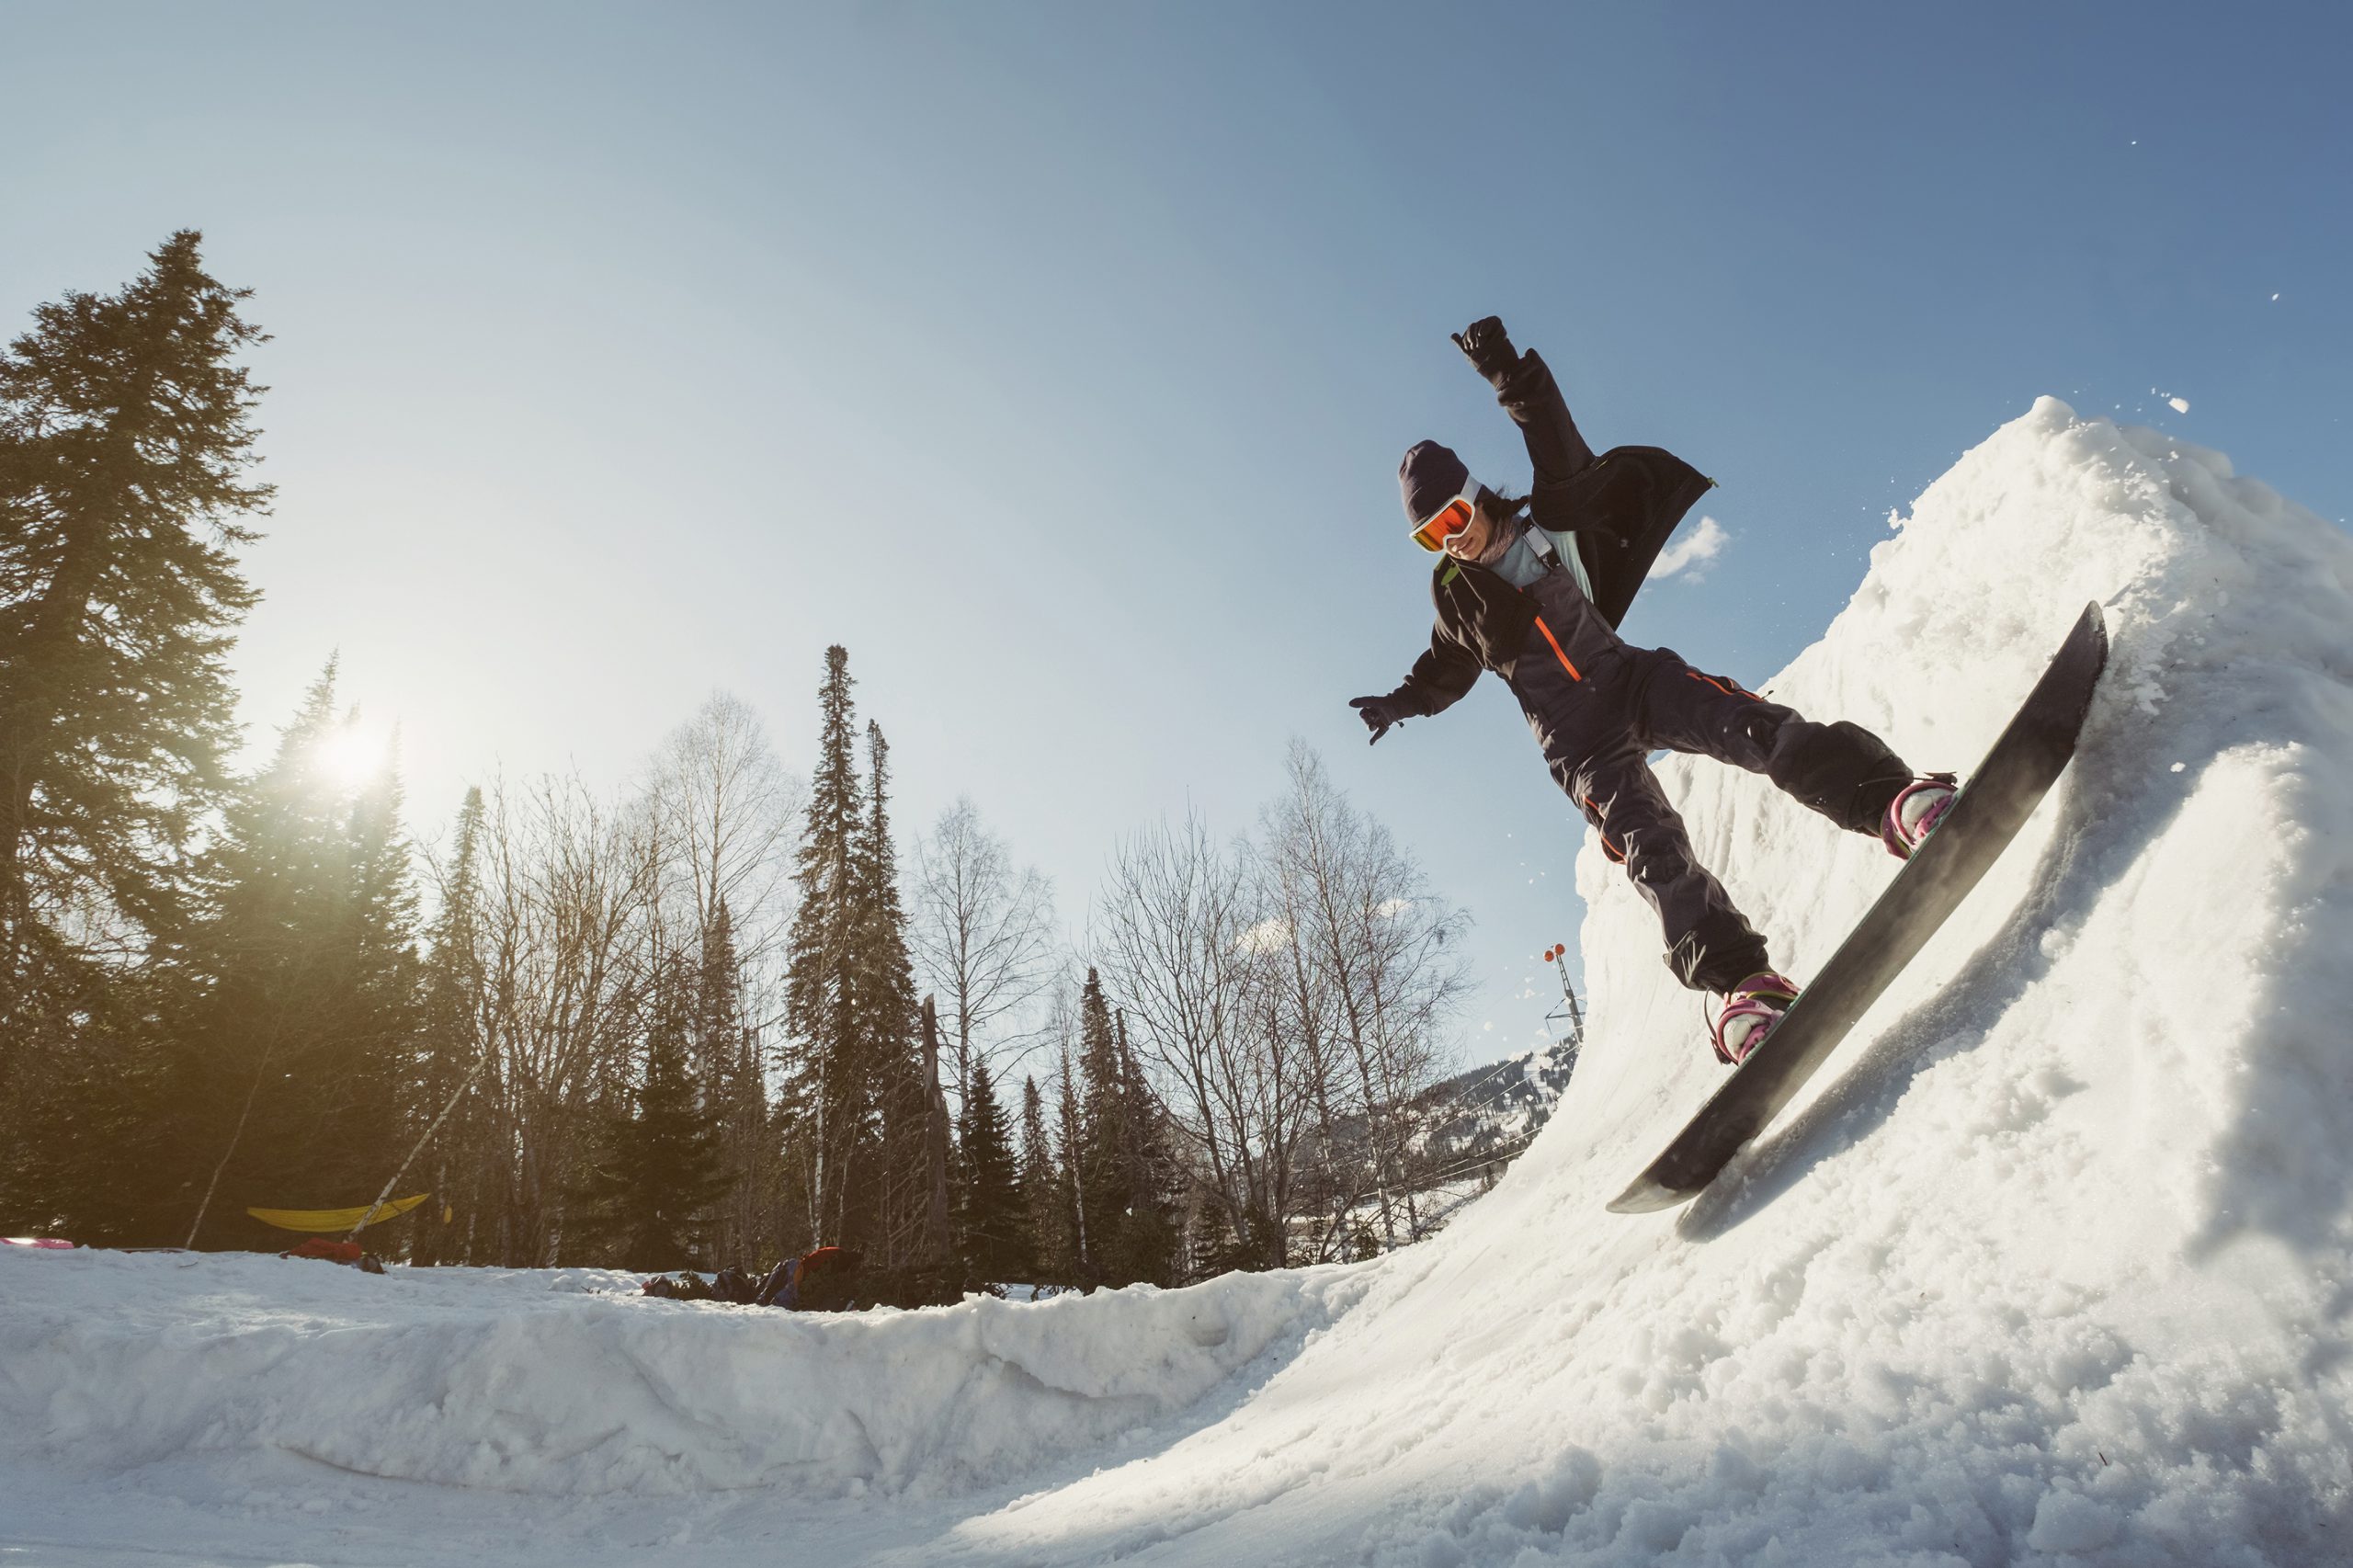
[(1057, 358)]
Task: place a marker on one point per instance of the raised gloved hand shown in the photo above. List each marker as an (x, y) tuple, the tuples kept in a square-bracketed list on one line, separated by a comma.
[(1488, 348), (1380, 712)]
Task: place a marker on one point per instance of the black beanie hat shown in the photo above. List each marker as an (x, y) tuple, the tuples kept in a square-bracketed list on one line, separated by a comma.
[(1430, 476)]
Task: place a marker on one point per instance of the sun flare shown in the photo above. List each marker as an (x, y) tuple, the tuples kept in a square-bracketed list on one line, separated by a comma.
[(351, 753)]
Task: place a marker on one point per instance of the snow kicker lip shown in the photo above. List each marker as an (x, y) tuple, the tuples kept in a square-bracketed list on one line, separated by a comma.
[(2032, 750)]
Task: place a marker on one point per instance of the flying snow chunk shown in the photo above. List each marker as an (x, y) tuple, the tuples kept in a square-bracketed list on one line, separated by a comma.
[(2178, 405)]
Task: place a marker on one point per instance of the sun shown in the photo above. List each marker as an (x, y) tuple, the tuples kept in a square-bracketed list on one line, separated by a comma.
[(353, 752)]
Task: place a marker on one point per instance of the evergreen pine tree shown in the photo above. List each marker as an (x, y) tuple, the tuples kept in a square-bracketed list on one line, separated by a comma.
[(1145, 1247), (380, 1097), (660, 1165), (457, 1165), (1040, 1191), (1214, 1248), (826, 1098), (85, 1112), (989, 1209), (291, 1069), (1104, 1157), (727, 1049), (1073, 1246), (126, 444), (893, 1193)]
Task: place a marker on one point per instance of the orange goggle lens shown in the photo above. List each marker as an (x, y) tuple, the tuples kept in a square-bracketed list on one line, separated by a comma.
[(1452, 520)]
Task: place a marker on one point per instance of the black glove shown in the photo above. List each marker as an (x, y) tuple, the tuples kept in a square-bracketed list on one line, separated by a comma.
[(1380, 712), (1489, 348)]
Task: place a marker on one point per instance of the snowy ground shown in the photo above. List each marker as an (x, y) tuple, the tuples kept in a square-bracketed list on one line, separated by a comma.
[(229, 1407), (2052, 1267)]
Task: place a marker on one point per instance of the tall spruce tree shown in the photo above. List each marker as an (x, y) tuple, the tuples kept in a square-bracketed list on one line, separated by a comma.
[(1145, 1245), (291, 1068), (728, 1059), (126, 449), (887, 1023), (826, 1098), (456, 1167), (1105, 1167), (990, 1221), (1073, 1245), (1040, 1191)]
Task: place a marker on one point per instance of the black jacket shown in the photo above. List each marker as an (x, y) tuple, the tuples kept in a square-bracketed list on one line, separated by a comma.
[(1624, 505)]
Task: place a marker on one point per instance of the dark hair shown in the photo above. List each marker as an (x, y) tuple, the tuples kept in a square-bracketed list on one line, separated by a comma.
[(1501, 508)]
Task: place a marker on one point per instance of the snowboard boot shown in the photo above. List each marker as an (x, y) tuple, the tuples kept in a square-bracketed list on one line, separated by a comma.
[(1754, 1005), (1915, 813)]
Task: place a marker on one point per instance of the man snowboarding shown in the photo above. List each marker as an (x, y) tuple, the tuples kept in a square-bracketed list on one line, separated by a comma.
[(1534, 588)]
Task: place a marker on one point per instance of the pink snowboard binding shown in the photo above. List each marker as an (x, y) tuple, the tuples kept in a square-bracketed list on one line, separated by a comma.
[(1754, 1005), (1915, 813)]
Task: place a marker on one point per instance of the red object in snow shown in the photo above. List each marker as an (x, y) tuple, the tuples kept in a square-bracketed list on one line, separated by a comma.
[(334, 1252)]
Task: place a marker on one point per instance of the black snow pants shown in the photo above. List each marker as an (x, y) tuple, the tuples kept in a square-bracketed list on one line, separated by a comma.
[(1598, 706)]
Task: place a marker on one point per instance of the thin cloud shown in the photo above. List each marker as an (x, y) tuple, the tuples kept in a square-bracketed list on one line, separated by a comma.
[(1692, 553), (1265, 937)]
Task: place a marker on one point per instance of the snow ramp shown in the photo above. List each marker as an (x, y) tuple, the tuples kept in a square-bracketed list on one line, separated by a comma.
[(2051, 1263)]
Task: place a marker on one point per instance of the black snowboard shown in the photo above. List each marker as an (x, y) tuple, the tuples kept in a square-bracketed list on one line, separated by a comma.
[(1980, 823)]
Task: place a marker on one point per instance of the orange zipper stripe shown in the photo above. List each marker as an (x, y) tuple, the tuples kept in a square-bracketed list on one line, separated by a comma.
[(1608, 847), (1556, 649), (1727, 691)]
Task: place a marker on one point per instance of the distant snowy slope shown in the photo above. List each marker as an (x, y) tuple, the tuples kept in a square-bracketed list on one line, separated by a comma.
[(2052, 1265), (1491, 1111)]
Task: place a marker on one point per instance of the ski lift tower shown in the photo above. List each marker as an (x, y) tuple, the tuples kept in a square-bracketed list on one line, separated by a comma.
[(1556, 955)]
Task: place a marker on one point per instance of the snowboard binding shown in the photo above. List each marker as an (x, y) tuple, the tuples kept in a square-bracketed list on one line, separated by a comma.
[(1749, 1014), (1915, 813)]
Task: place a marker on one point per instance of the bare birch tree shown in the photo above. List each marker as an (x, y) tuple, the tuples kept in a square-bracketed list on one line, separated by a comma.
[(1290, 997), (566, 888), (1183, 942), (726, 808), (722, 808), (1389, 960), (982, 930)]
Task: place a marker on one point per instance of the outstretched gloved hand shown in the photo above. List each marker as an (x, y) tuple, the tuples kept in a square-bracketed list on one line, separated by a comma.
[(1489, 348), (1380, 712)]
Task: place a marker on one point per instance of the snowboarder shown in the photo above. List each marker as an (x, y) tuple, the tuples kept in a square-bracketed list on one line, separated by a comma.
[(1533, 588)]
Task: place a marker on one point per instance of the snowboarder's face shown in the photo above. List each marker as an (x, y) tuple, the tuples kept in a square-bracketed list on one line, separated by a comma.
[(1471, 542)]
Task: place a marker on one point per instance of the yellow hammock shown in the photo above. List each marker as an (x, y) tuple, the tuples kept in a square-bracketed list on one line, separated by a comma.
[(323, 1220)]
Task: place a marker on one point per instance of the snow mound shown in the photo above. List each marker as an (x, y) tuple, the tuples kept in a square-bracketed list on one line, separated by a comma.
[(570, 1382), (2050, 1266)]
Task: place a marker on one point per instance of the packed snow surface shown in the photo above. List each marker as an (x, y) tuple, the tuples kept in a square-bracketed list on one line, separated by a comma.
[(2049, 1266)]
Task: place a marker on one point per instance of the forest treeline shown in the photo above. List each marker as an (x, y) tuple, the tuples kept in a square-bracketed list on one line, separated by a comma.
[(709, 1018)]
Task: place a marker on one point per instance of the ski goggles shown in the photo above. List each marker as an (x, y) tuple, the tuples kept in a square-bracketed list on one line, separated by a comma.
[(1450, 519)]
